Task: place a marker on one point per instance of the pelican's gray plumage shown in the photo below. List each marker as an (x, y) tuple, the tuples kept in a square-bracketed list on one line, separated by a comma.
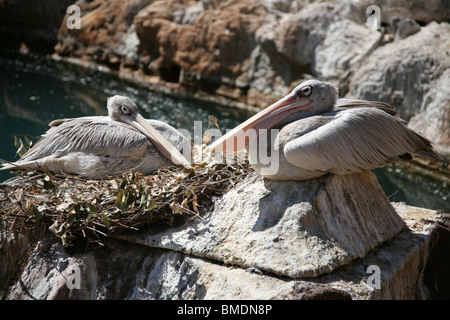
[(98, 147), (320, 134)]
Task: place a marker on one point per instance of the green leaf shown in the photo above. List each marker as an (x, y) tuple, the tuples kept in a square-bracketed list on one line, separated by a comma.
[(119, 201), (124, 183), (131, 197), (106, 221), (28, 142), (17, 142), (20, 147), (188, 193), (91, 208), (35, 213), (151, 204), (89, 217), (144, 198)]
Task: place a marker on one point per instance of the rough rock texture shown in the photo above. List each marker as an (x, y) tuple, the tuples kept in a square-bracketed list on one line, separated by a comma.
[(106, 35), (413, 75), (423, 11), (289, 229), (166, 266)]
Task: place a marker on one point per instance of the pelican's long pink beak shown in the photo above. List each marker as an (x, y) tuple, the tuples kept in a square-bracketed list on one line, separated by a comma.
[(164, 146), (241, 136)]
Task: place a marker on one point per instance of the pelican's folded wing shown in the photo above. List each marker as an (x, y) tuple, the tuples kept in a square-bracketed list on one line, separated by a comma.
[(355, 140)]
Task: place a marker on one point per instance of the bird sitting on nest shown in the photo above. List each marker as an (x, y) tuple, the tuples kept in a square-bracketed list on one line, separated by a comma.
[(99, 147), (316, 133)]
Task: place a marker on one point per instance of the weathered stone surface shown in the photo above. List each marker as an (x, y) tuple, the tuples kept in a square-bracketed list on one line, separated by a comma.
[(217, 45), (300, 34), (13, 247), (424, 11), (413, 75), (288, 228), (125, 270), (106, 35), (436, 275), (404, 27), (346, 43)]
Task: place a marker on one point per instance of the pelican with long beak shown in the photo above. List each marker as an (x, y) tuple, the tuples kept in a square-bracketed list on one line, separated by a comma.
[(316, 133), (99, 147)]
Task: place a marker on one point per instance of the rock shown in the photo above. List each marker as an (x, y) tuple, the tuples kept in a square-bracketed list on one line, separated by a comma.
[(287, 228), (166, 268), (404, 27), (424, 11), (12, 249), (106, 35), (300, 34), (262, 238), (217, 45), (413, 75), (345, 45), (437, 274)]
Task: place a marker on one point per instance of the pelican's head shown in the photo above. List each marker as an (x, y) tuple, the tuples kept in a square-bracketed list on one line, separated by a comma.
[(310, 97), (124, 109), (313, 95)]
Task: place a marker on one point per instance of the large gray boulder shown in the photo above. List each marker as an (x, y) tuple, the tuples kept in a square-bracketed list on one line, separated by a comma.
[(288, 228)]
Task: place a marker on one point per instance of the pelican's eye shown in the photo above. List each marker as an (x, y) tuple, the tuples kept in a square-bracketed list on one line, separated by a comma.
[(125, 110), (305, 91)]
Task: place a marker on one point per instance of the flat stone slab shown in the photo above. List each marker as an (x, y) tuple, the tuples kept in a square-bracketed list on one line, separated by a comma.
[(293, 229)]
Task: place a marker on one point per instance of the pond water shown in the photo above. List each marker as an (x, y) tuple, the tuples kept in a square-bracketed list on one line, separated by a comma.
[(36, 90)]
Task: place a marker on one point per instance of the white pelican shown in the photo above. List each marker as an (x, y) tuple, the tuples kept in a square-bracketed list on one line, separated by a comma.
[(99, 147), (319, 134)]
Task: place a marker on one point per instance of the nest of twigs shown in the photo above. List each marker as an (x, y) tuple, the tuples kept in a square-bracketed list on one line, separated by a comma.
[(75, 208)]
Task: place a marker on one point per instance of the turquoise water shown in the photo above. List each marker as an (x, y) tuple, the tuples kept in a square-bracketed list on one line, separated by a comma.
[(36, 90)]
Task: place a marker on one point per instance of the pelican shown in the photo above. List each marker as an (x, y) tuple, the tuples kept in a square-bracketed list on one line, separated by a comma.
[(317, 134), (98, 147)]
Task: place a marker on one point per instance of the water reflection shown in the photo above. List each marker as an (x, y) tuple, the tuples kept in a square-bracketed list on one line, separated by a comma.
[(414, 189), (34, 91)]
